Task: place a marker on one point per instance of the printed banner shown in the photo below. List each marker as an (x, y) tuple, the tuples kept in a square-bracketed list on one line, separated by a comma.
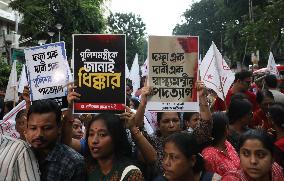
[(173, 65), (99, 73), (47, 70), (8, 123)]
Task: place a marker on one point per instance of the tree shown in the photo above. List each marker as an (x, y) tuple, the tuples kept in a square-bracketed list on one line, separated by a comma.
[(5, 70), (75, 16), (201, 20), (134, 28), (239, 31)]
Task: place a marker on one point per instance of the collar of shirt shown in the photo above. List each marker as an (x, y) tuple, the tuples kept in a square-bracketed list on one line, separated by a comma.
[(55, 153)]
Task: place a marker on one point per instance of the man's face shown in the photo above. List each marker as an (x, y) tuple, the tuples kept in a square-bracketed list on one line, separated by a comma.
[(245, 84), (42, 130)]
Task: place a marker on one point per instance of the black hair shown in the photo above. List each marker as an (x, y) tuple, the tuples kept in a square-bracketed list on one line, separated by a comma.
[(242, 75), (238, 95), (130, 86), (276, 112), (117, 131), (136, 102), (20, 113), (260, 95), (220, 125), (188, 145), (187, 115), (270, 81), (260, 135), (142, 81), (160, 114), (237, 109), (45, 106), (127, 101)]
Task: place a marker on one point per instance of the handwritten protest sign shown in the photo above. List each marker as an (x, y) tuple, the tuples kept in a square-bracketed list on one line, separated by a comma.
[(99, 73), (173, 65), (8, 123), (47, 70)]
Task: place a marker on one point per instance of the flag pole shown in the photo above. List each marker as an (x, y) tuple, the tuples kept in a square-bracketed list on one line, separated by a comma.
[(222, 90), (14, 102)]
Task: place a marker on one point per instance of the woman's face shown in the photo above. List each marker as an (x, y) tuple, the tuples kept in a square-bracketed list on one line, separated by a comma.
[(99, 140), (267, 101), (246, 119), (193, 122), (176, 166), (169, 123), (77, 129), (256, 160), (131, 105)]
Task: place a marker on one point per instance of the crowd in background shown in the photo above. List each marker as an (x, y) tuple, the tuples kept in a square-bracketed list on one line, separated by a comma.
[(241, 138)]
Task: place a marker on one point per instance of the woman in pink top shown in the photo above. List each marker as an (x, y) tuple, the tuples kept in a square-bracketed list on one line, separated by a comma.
[(221, 156), (256, 156)]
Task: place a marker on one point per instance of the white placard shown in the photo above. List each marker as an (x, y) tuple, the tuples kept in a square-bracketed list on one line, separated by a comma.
[(47, 69)]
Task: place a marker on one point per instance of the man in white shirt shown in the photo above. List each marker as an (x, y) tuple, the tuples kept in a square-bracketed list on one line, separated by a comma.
[(17, 161), (271, 84)]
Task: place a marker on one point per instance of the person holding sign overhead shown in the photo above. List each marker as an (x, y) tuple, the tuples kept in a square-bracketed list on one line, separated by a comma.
[(170, 122), (106, 146)]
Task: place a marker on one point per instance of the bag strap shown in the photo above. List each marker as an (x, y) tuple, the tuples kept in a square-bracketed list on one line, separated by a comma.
[(127, 170)]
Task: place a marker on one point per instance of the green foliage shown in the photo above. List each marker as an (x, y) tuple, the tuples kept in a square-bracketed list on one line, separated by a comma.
[(228, 24), (202, 20), (75, 16), (134, 28), (5, 70)]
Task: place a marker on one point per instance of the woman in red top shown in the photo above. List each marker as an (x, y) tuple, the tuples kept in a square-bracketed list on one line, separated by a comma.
[(264, 99), (256, 156), (276, 115), (221, 157)]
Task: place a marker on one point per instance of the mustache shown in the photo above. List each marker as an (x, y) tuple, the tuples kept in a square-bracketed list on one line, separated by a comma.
[(41, 138)]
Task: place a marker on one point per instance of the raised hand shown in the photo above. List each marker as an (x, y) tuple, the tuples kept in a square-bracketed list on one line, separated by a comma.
[(72, 95), (128, 117)]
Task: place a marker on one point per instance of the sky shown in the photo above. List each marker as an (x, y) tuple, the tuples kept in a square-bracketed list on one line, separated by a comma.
[(160, 16)]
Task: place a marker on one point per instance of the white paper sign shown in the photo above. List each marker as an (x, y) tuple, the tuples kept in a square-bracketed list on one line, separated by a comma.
[(173, 66), (8, 123), (47, 69)]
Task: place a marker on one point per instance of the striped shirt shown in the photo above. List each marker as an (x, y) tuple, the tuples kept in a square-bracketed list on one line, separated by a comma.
[(17, 161)]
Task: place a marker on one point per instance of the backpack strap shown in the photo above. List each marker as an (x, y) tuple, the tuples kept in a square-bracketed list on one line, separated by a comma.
[(127, 170)]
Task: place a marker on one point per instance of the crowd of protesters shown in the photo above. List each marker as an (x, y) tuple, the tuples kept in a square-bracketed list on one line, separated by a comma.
[(239, 139)]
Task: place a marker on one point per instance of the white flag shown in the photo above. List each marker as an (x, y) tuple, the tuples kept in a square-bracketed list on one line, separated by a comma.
[(271, 65), (134, 75), (8, 123), (127, 73), (23, 80), (11, 91), (215, 72), (144, 68)]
